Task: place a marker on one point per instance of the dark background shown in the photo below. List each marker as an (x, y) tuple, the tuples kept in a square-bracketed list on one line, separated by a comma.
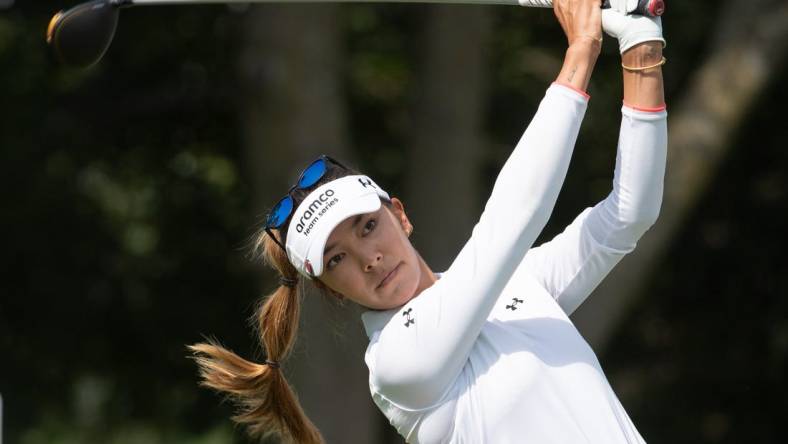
[(129, 191)]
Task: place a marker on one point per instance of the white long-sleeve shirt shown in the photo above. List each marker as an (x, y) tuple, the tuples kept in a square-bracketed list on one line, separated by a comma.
[(488, 354)]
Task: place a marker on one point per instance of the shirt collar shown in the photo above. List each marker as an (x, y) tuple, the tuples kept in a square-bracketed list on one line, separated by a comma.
[(375, 320)]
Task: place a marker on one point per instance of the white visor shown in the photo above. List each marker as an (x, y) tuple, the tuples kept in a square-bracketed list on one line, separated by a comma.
[(320, 212)]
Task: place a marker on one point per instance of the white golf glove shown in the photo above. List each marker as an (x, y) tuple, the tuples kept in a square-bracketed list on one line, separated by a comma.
[(631, 30), (624, 6)]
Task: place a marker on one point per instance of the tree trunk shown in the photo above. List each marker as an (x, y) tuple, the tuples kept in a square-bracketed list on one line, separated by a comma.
[(750, 45), (443, 169), (293, 110)]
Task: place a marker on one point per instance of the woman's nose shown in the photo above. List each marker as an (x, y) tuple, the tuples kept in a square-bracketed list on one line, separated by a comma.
[(373, 261)]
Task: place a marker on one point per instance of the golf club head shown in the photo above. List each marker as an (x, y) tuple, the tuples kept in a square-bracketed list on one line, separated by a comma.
[(81, 35)]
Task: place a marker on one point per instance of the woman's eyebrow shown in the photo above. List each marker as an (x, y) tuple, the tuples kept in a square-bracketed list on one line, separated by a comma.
[(356, 221)]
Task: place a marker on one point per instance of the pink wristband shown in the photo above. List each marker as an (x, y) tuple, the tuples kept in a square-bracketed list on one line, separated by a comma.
[(644, 109), (577, 90)]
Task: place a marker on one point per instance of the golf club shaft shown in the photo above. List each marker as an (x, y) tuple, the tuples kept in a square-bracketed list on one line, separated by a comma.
[(537, 3), (81, 35), (645, 7)]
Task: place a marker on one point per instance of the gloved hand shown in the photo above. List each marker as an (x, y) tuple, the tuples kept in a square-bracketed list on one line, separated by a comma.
[(631, 30), (623, 6)]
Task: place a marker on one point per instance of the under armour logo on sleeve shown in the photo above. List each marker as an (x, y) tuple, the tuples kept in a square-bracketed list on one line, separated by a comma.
[(408, 320), (513, 306)]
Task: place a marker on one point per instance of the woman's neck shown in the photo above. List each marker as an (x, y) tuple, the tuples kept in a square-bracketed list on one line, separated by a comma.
[(426, 276)]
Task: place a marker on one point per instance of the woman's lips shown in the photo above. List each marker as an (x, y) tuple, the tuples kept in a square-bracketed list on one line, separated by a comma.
[(389, 276)]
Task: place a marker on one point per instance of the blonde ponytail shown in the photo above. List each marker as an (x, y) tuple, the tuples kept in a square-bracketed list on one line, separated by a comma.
[(266, 403)]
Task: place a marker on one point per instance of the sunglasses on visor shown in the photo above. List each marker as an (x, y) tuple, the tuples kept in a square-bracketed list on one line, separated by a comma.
[(283, 209)]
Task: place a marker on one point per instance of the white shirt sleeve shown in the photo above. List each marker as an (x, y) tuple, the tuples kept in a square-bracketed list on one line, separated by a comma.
[(423, 348), (573, 263)]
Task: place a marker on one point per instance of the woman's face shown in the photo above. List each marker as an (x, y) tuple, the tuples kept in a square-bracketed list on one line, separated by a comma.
[(370, 260)]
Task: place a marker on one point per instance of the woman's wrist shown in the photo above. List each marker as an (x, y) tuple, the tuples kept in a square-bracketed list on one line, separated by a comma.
[(643, 88), (585, 46), (644, 54), (579, 63)]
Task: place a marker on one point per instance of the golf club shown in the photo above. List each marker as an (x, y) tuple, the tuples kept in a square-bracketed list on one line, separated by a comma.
[(80, 36)]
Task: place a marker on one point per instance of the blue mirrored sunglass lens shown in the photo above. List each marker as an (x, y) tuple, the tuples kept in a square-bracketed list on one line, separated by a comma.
[(280, 212), (313, 173)]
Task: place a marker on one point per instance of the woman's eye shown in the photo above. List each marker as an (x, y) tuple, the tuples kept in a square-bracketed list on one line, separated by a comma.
[(370, 225), (334, 261)]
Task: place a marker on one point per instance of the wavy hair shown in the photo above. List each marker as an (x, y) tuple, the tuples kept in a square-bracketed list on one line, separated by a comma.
[(265, 403)]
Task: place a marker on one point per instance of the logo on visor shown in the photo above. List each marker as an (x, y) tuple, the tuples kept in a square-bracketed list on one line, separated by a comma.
[(316, 209), (308, 266), (366, 182)]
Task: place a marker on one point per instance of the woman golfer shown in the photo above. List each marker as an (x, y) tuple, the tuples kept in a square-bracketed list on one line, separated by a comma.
[(483, 352)]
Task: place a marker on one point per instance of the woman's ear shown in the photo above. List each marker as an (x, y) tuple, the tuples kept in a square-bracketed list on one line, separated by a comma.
[(398, 209)]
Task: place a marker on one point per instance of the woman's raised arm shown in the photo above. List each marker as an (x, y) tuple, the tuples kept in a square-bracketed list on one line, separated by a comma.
[(572, 264), (416, 352)]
